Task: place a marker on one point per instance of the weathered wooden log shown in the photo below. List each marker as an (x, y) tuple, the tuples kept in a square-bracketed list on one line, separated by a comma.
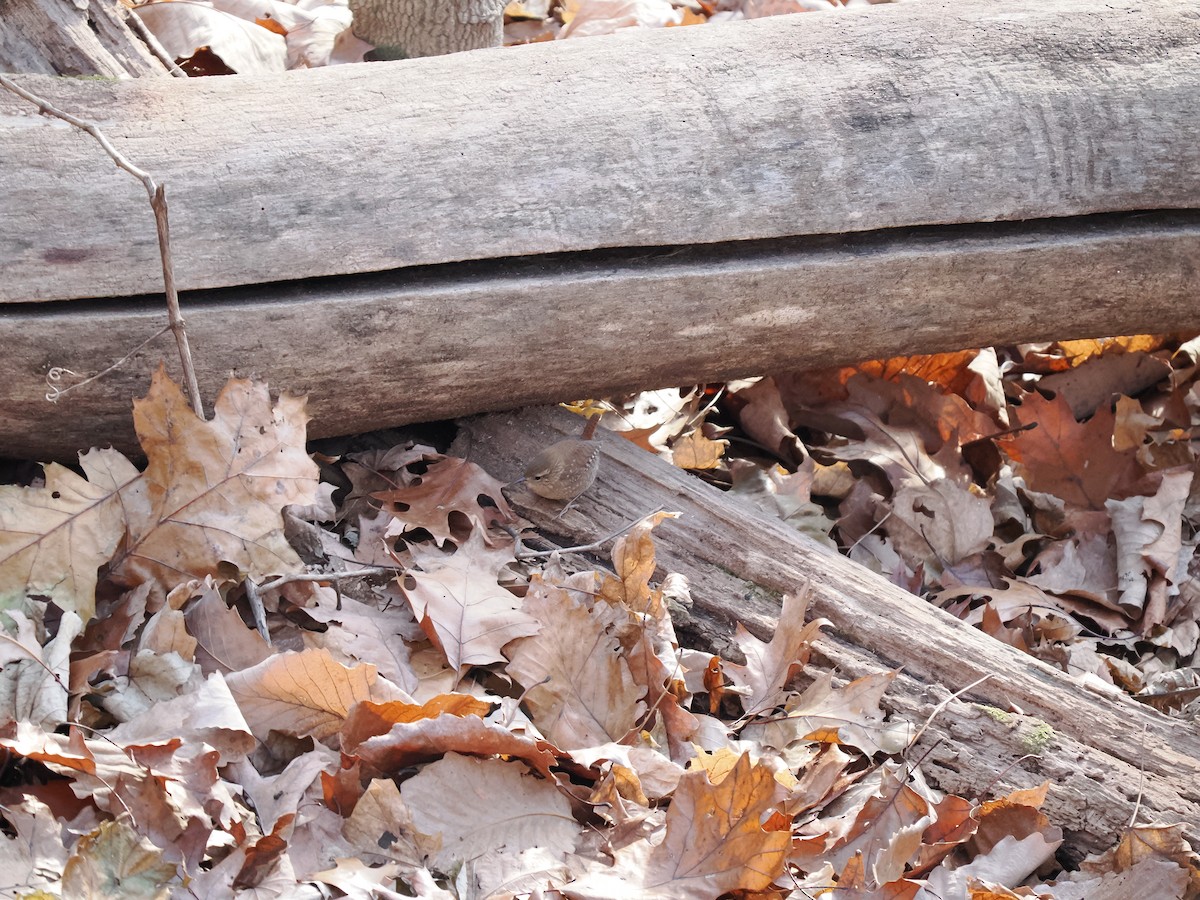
[(387, 349), (1104, 754), (930, 114), (86, 37), (783, 193)]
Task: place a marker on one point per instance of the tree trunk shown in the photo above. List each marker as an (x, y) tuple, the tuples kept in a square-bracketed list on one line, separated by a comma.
[(404, 29)]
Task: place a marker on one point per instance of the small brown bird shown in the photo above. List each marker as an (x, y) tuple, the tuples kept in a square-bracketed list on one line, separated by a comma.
[(564, 470)]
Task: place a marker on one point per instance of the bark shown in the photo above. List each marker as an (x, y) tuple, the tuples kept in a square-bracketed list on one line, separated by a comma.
[(61, 37), (405, 29), (1105, 753), (944, 113)]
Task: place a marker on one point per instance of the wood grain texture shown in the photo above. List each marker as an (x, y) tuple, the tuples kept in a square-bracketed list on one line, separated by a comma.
[(382, 350), (85, 37), (1105, 750), (929, 113)]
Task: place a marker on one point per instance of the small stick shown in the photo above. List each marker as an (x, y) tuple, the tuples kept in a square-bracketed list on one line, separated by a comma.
[(257, 610), (327, 576), (582, 548), (158, 203), (134, 21)]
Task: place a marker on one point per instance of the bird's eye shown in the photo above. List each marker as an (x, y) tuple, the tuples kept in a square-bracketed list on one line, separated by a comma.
[(538, 477)]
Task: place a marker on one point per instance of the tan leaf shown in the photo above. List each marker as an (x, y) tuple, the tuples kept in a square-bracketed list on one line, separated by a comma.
[(306, 693), (769, 666), (115, 861), (212, 491), (54, 538), (845, 715), (461, 605), (695, 451), (887, 830), (946, 522), (633, 559), (580, 691), (482, 808), (714, 843)]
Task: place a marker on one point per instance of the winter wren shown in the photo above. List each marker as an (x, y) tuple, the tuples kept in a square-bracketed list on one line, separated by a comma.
[(564, 470)]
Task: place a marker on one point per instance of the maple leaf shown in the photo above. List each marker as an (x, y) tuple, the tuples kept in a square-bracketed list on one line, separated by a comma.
[(633, 559), (212, 491), (769, 666), (115, 861), (54, 538), (580, 690), (845, 715), (714, 843), (459, 602)]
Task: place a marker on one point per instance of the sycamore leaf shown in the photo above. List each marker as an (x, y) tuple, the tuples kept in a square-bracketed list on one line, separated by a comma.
[(33, 859), (460, 603), (714, 843), (54, 538), (769, 666), (33, 683), (306, 693), (382, 826), (580, 691), (212, 491), (243, 46)]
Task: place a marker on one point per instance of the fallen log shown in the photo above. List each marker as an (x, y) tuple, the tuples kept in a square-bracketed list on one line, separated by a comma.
[(789, 192), (1106, 755), (430, 344)]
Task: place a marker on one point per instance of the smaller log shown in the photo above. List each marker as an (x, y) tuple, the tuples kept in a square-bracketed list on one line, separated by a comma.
[(1105, 753)]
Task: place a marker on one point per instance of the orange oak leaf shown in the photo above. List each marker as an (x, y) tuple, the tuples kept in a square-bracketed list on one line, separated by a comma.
[(1072, 460), (450, 487)]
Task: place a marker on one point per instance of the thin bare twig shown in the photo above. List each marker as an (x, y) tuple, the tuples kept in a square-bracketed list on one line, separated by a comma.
[(134, 21), (522, 553), (158, 203), (257, 610), (328, 576), (55, 374)]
